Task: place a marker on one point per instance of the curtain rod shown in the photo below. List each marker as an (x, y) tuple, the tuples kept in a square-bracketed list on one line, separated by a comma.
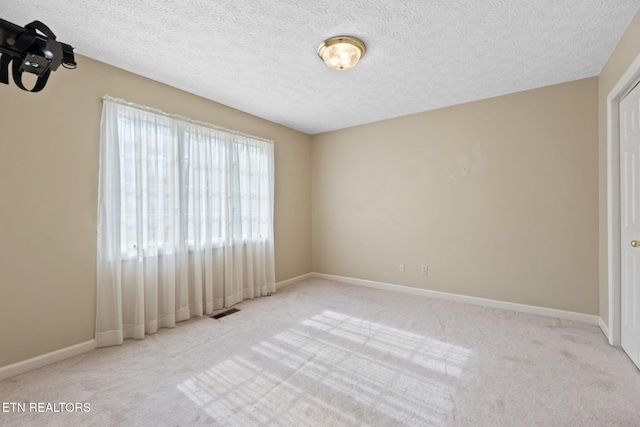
[(182, 118)]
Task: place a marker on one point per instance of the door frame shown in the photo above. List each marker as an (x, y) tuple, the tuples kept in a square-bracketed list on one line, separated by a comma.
[(626, 82)]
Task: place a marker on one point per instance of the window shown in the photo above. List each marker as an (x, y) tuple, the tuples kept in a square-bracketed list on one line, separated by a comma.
[(188, 186), (185, 220)]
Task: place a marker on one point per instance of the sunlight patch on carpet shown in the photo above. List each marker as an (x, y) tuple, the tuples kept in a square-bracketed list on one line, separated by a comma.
[(347, 366)]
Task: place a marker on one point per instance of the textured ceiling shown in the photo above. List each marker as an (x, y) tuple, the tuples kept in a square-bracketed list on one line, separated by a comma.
[(260, 56)]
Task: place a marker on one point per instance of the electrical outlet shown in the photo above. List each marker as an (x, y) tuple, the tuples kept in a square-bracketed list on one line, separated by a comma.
[(424, 269), (401, 268)]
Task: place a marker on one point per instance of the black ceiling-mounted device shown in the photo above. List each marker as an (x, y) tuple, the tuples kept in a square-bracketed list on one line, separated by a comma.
[(33, 49)]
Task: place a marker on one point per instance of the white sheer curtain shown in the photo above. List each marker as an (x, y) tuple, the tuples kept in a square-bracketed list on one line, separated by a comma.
[(185, 220)]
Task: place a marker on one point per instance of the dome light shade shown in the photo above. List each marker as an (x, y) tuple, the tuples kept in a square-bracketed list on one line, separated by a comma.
[(341, 52)]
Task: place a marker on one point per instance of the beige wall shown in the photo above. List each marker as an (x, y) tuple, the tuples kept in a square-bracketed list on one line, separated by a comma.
[(48, 199), (624, 54), (498, 197)]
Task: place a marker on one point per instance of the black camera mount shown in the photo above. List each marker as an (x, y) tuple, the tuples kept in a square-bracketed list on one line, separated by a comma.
[(33, 49)]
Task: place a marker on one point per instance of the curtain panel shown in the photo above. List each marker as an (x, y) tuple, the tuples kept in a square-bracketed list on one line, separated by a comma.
[(185, 220)]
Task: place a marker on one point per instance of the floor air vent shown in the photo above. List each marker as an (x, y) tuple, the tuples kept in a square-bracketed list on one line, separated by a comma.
[(225, 313)]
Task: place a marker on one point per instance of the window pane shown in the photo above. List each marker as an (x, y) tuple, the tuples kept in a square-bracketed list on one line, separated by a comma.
[(184, 185)]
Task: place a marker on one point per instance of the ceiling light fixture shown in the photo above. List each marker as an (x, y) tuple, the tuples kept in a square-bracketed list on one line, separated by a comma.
[(341, 52)]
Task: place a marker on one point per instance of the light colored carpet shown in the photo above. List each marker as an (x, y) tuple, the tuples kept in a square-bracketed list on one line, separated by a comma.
[(320, 353)]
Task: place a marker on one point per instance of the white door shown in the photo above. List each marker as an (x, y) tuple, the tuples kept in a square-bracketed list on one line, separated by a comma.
[(630, 223)]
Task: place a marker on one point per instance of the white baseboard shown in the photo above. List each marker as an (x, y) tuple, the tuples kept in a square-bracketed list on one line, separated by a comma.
[(74, 350), (45, 359), (605, 329), (293, 280), (521, 308)]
